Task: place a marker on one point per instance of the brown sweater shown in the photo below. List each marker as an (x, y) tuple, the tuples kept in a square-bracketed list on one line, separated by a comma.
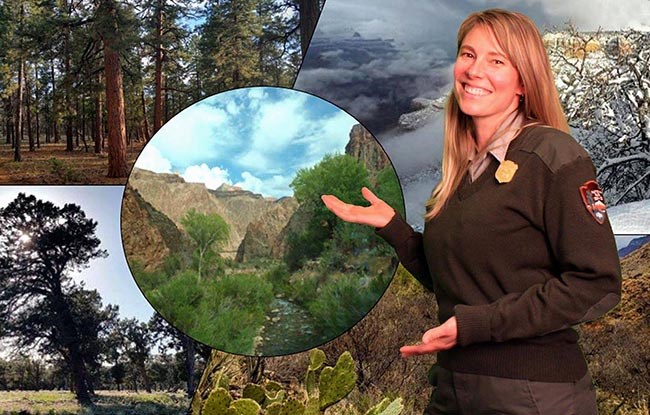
[(517, 263)]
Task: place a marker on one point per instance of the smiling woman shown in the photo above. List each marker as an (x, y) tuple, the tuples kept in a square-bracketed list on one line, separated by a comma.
[(514, 246)]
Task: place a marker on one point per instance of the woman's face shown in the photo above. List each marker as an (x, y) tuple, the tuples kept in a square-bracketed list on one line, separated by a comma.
[(487, 84)]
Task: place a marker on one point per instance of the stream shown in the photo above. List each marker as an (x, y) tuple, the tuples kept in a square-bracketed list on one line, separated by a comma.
[(288, 329)]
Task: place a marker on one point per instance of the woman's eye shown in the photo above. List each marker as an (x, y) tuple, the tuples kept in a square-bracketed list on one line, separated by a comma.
[(499, 62), (466, 55)]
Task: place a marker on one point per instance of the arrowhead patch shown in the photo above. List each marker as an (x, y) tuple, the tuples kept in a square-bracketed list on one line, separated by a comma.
[(594, 201)]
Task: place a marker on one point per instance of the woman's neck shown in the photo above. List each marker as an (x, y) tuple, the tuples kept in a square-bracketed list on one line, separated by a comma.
[(485, 129)]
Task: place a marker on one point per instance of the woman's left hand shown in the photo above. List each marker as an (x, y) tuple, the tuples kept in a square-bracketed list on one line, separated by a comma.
[(438, 338)]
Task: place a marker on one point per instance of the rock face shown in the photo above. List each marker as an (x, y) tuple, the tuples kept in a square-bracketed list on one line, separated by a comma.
[(364, 147), (264, 235), (148, 236), (172, 196)]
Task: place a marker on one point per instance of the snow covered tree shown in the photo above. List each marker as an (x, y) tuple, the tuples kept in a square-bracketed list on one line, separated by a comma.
[(604, 84)]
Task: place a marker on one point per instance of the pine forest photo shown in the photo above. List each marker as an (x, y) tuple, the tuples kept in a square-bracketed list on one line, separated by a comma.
[(85, 84)]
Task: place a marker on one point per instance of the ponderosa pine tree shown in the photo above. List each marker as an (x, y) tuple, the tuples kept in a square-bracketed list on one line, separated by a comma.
[(107, 15), (41, 244)]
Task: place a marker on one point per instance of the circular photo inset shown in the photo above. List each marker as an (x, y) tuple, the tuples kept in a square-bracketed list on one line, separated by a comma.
[(225, 232)]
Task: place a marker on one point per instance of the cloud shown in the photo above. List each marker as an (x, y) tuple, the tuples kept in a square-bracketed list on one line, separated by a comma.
[(211, 177), (275, 186), (232, 107), (151, 159), (276, 125), (329, 135), (191, 136)]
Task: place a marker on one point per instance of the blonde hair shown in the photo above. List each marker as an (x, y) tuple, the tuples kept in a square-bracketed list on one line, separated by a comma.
[(520, 40)]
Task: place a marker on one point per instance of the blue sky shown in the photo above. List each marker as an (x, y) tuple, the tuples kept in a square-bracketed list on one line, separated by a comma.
[(109, 276), (256, 138)]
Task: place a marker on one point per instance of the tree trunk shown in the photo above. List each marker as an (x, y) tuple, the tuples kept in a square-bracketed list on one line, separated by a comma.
[(75, 359), (158, 98), (30, 135), (18, 124), (68, 90), (309, 12), (144, 116), (55, 130), (37, 99), (98, 131), (189, 364), (117, 166)]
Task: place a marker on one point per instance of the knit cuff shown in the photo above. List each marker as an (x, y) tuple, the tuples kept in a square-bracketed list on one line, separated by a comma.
[(473, 324), (396, 231)]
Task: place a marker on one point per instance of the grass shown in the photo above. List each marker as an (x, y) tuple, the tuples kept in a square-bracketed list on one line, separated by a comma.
[(106, 402)]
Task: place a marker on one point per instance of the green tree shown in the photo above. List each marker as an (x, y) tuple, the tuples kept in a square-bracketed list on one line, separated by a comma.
[(389, 190), (339, 175), (229, 57), (39, 247), (207, 231)]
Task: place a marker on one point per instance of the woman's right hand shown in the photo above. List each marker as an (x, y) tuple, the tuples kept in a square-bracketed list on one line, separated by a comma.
[(378, 214)]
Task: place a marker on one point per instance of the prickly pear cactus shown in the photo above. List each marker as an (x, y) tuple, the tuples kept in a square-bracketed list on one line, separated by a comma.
[(386, 407), (217, 403), (274, 393), (336, 382), (316, 360), (254, 392), (245, 406)]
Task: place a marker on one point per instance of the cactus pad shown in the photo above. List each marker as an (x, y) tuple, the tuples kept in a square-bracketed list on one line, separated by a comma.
[(217, 403), (254, 392), (316, 359), (337, 382), (245, 406), (386, 407)]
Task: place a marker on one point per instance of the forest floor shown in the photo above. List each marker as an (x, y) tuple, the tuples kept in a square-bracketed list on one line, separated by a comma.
[(106, 402), (51, 164)]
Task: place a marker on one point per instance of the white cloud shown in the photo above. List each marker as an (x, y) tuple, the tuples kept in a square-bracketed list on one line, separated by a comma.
[(232, 107), (278, 123), (151, 159), (276, 186), (211, 177), (256, 93), (190, 138), (329, 135)]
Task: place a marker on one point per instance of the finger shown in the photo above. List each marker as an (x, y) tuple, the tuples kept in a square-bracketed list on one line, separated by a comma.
[(370, 196), (338, 207), (431, 335), (420, 349), (332, 202)]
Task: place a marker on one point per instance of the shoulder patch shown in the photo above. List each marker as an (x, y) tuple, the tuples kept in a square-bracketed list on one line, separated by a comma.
[(554, 147), (594, 201)]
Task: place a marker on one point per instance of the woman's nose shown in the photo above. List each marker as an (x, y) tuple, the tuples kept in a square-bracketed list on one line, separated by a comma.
[(475, 69)]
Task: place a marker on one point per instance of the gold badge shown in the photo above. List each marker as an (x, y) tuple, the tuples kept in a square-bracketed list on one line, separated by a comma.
[(506, 171)]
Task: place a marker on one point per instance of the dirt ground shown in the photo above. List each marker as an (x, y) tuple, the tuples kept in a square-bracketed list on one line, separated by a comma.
[(51, 164)]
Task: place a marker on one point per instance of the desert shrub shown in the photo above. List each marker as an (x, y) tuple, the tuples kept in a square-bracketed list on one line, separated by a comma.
[(343, 301), (278, 276), (232, 312), (147, 281), (64, 172), (303, 246), (178, 300), (332, 259), (225, 326), (247, 291), (303, 290), (171, 264)]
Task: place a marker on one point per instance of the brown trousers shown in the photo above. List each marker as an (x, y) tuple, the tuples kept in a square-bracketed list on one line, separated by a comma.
[(468, 394)]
